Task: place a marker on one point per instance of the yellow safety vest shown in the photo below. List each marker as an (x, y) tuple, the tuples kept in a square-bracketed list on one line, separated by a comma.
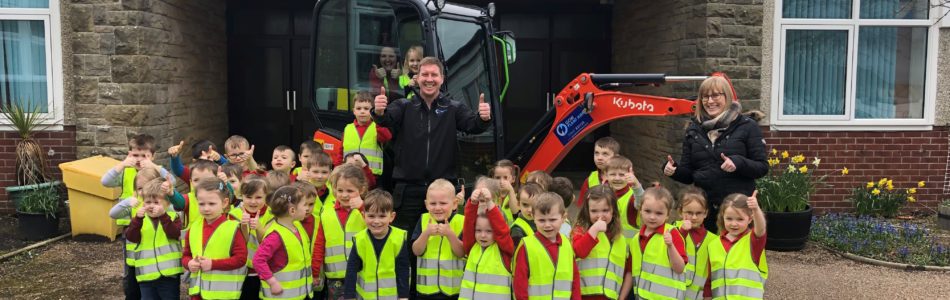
[(629, 231), (367, 145), (548, 279), (338, 241), (156, 255), (377, 279), (734, 274), (295, 278), (523, 224), (252, 243), (215, 284), (602, 270), (506, 211), (593, 180), (696, 271), (403, 82), (485, 275), (653, 275), (130, 247), (193, 214), (128, 191), (438, 269)]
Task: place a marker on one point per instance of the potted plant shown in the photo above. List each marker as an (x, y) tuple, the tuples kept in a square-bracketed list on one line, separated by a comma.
[(783, 196), (943, 215), (38, 212), (31, 166)]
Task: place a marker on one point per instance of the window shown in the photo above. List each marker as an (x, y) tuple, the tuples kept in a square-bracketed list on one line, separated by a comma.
[(30, 57), (854, 64)]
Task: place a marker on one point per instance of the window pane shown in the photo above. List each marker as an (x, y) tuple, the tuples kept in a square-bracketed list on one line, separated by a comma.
[(891, 72), (24, 3), (895, 9), (815, 72), (816, 9), (23, 64)]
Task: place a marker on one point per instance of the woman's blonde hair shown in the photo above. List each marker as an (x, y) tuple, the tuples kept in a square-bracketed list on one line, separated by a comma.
[(713, 84)]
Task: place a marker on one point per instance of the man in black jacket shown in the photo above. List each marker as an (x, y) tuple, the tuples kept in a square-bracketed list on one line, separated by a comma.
[(425, 142)]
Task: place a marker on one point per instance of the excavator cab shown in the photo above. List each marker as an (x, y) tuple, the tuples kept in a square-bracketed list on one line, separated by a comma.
[(362, 45)]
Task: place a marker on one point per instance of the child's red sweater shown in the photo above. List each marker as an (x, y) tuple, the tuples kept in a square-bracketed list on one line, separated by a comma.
[(522, 274), (499, 227), (238, 249)]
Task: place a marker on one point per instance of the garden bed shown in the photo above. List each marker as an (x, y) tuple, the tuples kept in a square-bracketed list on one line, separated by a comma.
[(911, 242)]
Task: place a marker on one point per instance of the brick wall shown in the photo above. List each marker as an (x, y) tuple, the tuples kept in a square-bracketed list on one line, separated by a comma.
[(63, 144), (903, 156)]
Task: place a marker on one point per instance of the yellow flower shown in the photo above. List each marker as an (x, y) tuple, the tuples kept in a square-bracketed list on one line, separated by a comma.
[(803, 169), (920, 184), (876, 192), (890, 187), (911, 199), (774, 152), (784, 154), (816, 161), (870, 184), (798, 158), (882, 182), (912, 191), (791, 168), (773, 161), (844, 171)]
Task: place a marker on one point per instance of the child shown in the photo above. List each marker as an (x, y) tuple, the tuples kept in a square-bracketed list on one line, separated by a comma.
[(380, 254), (620, 178), (232, 175), (339, 222), (283, 261), (141, 152), (658, 254), (507, 172), (605, 148), (364, 136), (155, 232), (544, 261), (203, 149), (283, 160), (541, 178), (215, 249), (252, 214), (564, 188), (307, 149), (316, 170), (410, 68), (524, 225), (736, 215), (239, 151), (437, 244), (488, 268), (600, 246), (357, 159), (692, 208), (200, 170), (493, 190), (276, 180)]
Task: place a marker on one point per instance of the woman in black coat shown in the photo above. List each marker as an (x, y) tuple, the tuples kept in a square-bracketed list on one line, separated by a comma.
[(723, 152)]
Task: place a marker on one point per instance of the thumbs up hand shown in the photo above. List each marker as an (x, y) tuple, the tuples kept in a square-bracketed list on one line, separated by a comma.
[(687, 225), (394, 73), (753, 201), (727, 164), (167, 186), (210, 154), (670, 166), (668, 238), (380, 72), (484, 109), (381, 102), (176, 149)]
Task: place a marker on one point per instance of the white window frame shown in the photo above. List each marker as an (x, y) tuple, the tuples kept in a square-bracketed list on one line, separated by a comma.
[(54, 117), (848, 122)]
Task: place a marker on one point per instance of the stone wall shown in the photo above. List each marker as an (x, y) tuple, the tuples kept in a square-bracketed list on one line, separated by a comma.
[(144, 66), (682, 37)]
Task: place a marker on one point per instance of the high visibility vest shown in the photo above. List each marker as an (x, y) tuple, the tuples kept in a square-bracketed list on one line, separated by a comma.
[(193, 214), (367, 145), (339, 241), (215, 284), (523, 224), (295, 278), (128, 191), (548, 279), (485, 275), (377, 279), (506, 211), (602, 271), (403, 82), (696, 272), (593, 179), (252, 243), (734, 274), (156, 255), (653, 275), (438, 270), (130, 247), (629, 230)]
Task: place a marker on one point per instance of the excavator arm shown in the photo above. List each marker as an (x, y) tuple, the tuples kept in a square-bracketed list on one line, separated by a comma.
[(584, 105)]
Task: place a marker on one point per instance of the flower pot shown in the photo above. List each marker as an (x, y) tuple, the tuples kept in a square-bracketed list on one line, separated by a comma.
[(36, 227), (943, 217), (15, 193), (788, 231)]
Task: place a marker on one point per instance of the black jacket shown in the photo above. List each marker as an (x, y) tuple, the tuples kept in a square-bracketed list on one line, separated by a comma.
[(700, 164), (425, 140)]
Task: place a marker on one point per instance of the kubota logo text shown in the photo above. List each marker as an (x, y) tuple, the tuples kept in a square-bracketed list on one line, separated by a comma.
[(643, 105)]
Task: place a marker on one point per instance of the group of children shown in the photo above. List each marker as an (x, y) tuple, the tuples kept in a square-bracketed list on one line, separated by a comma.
[(320, 231)]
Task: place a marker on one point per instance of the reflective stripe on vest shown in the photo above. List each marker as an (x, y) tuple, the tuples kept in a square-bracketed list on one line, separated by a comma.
[(653, 277), (215, 284), (438, 269), (156, 255), (130, 247), (485, 275), (377, 279), (338, 241), (296, 277), (629, 231), (602, 271), (593, 180), (698, 256), (252, 243), (366, 145), (541, 285), (734, 274)]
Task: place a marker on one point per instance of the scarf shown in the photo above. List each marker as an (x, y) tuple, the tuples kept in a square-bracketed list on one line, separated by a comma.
[(715, 126)]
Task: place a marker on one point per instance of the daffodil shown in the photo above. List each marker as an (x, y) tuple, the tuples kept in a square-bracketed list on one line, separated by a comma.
[(773, 161), (876, 192), (882, 182), (816, 161), (870, 184), (791, 168), (803, 169), (890, 187), (784, 154), (774, 152), (912, 191), (798, 158), (844, 171), (920, 184), (911, 199)]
